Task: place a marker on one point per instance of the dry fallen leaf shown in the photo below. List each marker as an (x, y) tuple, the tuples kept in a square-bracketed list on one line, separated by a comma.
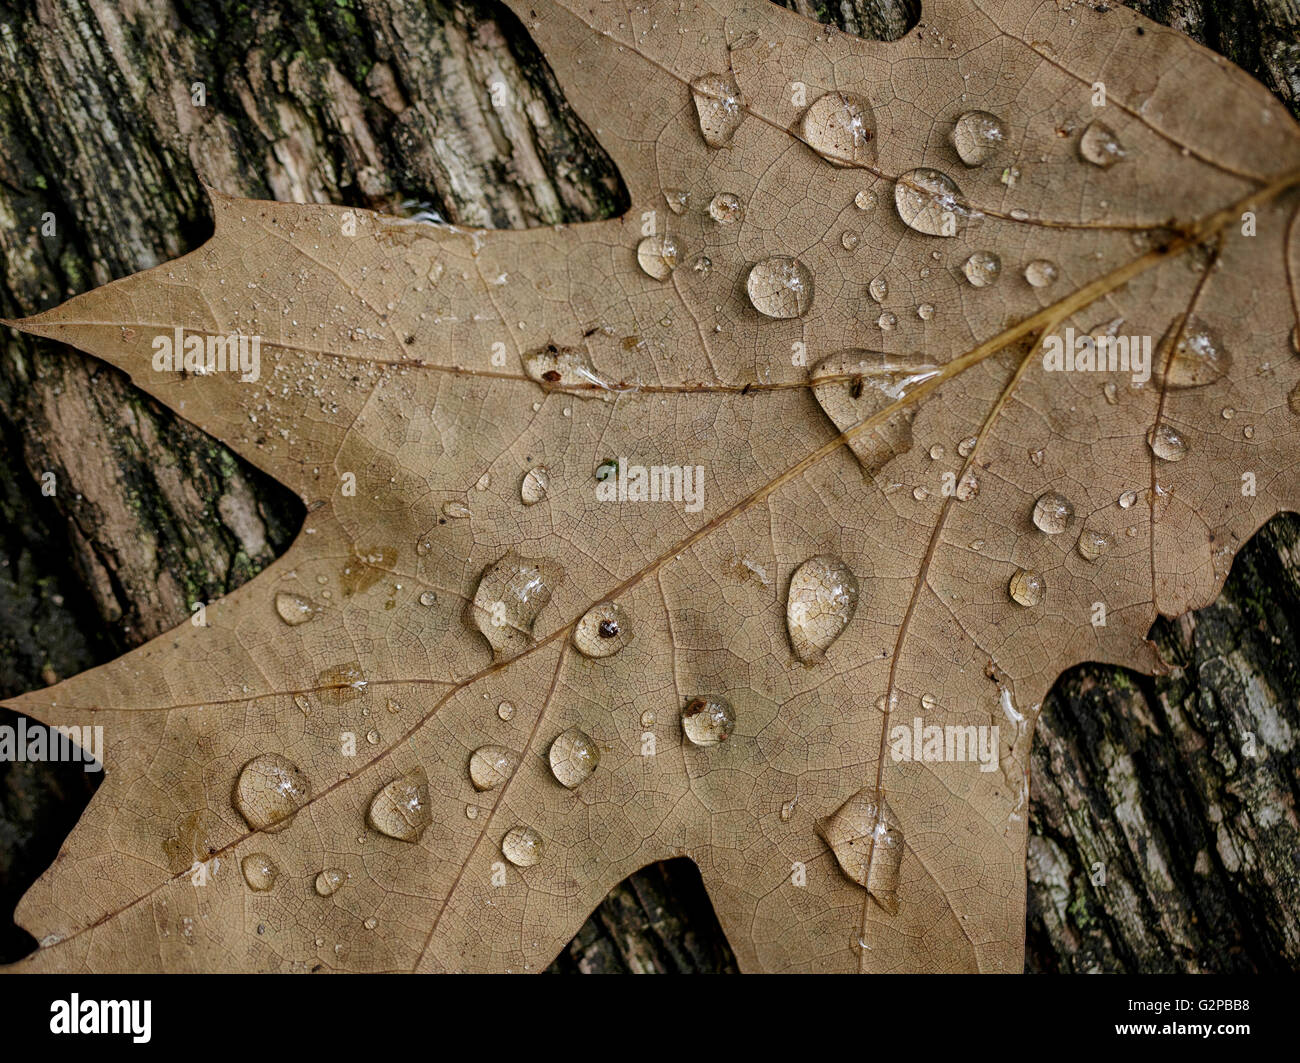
[(479, 691)]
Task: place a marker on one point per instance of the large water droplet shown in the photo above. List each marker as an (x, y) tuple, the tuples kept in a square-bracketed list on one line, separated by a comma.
[(982, 269), (1092, 544), (1052, 513), (522, 846), (1100, 146), (780, 287), (573, 757), (510, 595), (401, 809), (1166, 443), (867, 841), (535, 484), (1191, 356), (259, 871), (490, 766), (930, 202), (720, 108), (976, 135), (330, 881), (603, 630), (708, 721), (294, 609), (270, 789), (1026, 587), (841, 128), (657, 256), (823, 597)]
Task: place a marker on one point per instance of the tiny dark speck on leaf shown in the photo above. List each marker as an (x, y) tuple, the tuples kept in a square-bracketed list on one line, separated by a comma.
[(551, 375)]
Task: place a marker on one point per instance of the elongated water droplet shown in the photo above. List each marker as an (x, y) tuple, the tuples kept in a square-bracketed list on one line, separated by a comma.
[(719, 106), (259, 871), (878, 289), (1100, 146), (1166, 443), (867, 841), (1052, 513), (657, 256), (930, 202), (725, 208), (1026, 587), (967, 445), (780, 287), (270, 789), (976, 135), (573, 756), (1192, 356), (1092, 543), (1040, 273), (982, 269), (490, 766), (294, 609), (522, 846), (456, 511), (841, 128), (535, 484), (330, 881), (708, 721), (509, 596), (677, 200), (561, 367), (603, 630), (823, 597), (401, 809)]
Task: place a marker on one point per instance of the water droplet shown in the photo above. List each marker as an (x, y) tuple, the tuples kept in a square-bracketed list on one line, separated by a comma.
[(330, 881), (719, 106), (849, 240), (787, 810), (372, 737), (725, 208), (1127, 499), (708, 721), (1052, 513), (840, 127), (603, 630), (822, 599), (1040, 273), (1026, 587), (865, 200), (1100, 146), (428, 598), (269, 791), (371, 923), (536, 483), (1092, 543), (967, 445), (1248, 431), (490, 766), (657, 256), (920, 493), (887, 321), (401, 809), (573, 757), (294, 609), (867, 841), (878, 289), (1111, 392), (1227, 413), (522, 846), (1198, 356), (1036, 456), (509, 596), (976, 135), (423, 546), (259, 871), (1166, 444), (506, 711), (925, 311), (303, 704), (780, 287), (929, 702), (561, 367), (455, 510), (937, 452), (471, 811), (677, 200), (982, 269), (967, 487), (702, 264), (930, 202)]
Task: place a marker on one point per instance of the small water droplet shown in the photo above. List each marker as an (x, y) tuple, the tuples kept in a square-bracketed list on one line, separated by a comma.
[(490, 766), (1040, 273), (787, 810), (1198, 357), (929, 702), (708, 721), (1111, 392), (371, 923), (822, 598), (726, 208), (976, 135), (1166, 443), (1100, 146), (887, 321), (920, 493), (849, 240), (780, 287), (1127, 499), (967, 445), (372, 737), (471, 811), (702, 264), (1036, 456), (535, 484), (522, 846), (428, 598), (925, 311), (259, 871), (329, 882), (1228, 413), (841, 128), (1026, 587), (865, 200), (930, 202), (303, 704), (401, 809), (1092, 543), (937, 452), (1248, 431), (677, 200), (269, 791), (506, 711), (573, 756), (561, 367), (719, 106), (509, 596), (603, 630), (878, 289), (455, 510), (982, 269), (967, 487), (294, 609), (657, 256), (1052, 513)]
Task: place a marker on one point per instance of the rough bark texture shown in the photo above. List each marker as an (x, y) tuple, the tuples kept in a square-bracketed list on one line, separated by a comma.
[(1156, 842)]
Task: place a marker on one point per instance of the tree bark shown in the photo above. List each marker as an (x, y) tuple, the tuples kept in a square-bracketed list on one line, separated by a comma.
[(1155, 843)]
